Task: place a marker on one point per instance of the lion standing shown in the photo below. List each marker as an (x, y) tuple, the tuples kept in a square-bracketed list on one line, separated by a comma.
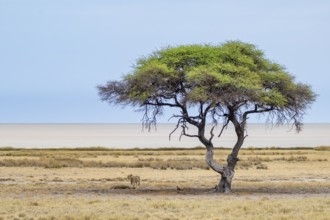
[(135, 180)]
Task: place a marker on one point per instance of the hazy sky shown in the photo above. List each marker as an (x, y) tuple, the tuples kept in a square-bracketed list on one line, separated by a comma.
[(54, 53)]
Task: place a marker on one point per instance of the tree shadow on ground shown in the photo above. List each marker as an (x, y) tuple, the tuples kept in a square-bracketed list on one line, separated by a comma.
[(204, 191)]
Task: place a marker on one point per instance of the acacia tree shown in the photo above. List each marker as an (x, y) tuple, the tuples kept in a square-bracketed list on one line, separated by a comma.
[(218, 84)]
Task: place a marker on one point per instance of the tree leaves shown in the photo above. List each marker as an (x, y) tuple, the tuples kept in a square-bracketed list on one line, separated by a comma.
[(232, 78)]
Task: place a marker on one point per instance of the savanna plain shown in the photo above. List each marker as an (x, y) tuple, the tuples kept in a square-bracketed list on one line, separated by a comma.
[(91, 183)]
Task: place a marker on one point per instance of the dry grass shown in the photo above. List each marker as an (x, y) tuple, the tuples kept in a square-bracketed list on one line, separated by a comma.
[(154, 158), (194, 207), (92, 184)]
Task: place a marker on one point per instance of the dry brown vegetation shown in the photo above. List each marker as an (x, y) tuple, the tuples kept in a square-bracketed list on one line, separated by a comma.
[(175, 184)]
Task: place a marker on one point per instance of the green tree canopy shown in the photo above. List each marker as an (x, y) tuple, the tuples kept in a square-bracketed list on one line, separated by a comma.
[(226, 82)]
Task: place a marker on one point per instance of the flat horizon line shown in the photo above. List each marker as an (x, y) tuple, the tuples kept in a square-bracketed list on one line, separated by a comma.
[(44, 123)]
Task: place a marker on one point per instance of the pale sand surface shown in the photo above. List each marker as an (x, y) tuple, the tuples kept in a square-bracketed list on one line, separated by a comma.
[(132, 135)]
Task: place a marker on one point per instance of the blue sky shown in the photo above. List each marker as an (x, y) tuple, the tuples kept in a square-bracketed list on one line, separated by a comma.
[(54, 53)]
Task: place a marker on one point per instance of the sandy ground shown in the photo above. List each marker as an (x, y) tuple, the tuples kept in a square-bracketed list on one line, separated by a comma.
[(285, 190)]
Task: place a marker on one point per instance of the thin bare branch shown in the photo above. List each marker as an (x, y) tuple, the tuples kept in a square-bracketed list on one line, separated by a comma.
[(211, 133), (160, 104), (184, 133), (176, 127), (255, 110), (223, 127)]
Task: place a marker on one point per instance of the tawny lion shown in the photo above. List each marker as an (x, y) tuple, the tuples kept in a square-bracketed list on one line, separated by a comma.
[(135, 180)]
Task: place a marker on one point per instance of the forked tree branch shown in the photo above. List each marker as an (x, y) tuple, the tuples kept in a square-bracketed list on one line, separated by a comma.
[(255, 110), (184, 133)]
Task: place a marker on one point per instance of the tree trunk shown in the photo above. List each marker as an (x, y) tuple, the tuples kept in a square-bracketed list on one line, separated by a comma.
[(229, 171), (226, 172), (224, 185), (227, 175)]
